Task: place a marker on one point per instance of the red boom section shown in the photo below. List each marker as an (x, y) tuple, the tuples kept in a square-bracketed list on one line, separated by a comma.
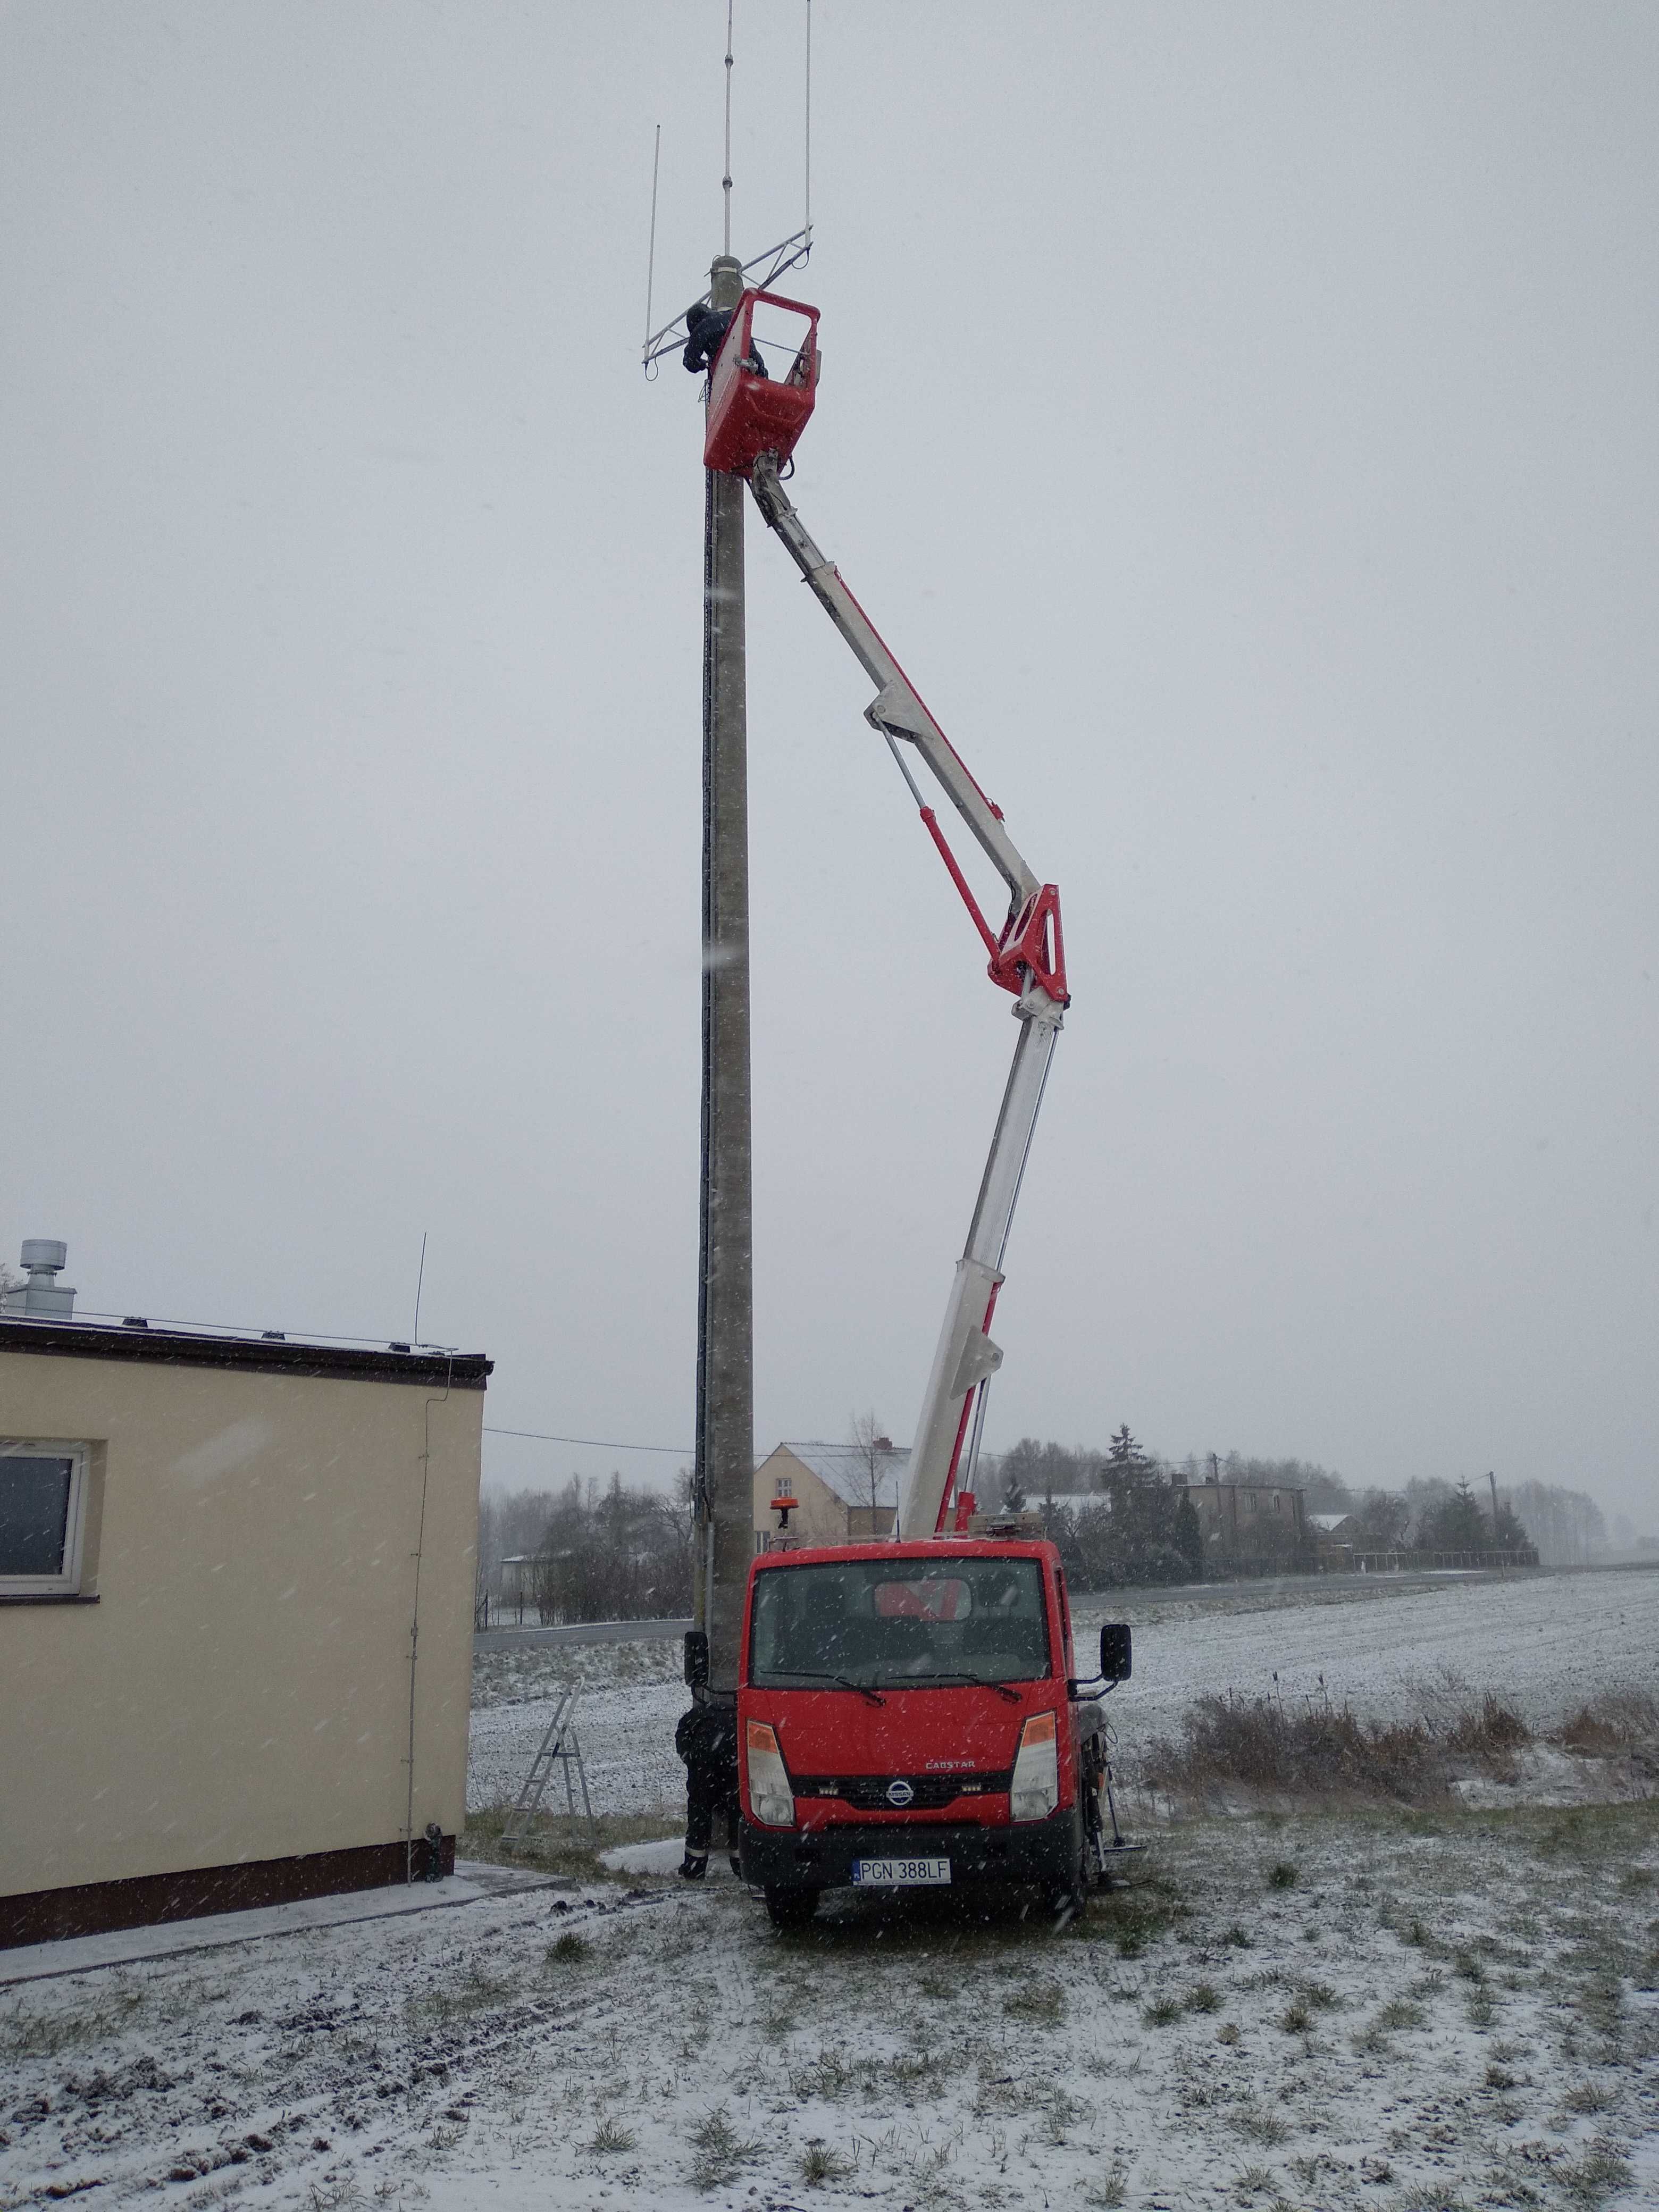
[(1031, 939)]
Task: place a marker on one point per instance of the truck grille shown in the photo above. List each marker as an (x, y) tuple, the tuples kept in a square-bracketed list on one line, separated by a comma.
[(929, 1793)]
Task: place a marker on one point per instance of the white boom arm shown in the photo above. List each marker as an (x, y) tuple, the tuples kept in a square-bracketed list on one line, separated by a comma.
[(1027, 957)]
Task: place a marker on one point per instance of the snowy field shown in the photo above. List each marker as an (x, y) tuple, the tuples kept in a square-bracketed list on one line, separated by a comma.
[(1546, 1642), (1407, 2012), (1389, 2013)]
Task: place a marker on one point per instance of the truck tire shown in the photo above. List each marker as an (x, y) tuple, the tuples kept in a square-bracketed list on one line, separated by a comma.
[(1065, 1900), (790, 1908)]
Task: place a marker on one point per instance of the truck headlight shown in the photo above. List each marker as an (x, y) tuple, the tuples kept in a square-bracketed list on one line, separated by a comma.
[(1036, 1789), (769, 1794)]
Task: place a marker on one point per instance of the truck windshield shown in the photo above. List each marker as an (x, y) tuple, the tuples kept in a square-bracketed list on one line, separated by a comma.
[(897, 1624)]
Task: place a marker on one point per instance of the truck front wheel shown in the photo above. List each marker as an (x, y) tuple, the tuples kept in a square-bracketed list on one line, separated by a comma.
[(790, 1908)]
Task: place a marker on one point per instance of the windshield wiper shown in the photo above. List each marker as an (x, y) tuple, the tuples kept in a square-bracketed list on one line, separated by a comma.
[(979, 1682), (842, 1681)]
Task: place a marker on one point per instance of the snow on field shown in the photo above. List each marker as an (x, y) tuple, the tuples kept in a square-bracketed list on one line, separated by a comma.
[(1383, 2012), (1547, 1643)]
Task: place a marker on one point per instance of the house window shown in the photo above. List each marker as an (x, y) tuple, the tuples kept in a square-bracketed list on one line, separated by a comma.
[(1276, 1505), (43, 1504), (1250, 1501)]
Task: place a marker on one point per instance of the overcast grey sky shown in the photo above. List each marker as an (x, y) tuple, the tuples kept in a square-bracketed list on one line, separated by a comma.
[(1241, 421)]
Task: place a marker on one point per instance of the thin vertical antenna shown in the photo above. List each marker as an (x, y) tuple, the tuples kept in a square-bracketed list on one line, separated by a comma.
[(651, 257), (420, 1279), (807, 226), (725, 181)]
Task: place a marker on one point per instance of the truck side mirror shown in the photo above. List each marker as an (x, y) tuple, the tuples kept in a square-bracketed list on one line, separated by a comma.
[(696, 1657), (1116, 1655)]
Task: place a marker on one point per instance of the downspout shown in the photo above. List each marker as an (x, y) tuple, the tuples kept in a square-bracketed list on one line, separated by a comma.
[(414, 1616)]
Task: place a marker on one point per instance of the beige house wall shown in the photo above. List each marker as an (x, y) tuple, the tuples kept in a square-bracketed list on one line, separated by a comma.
[(821, 1516), (241, 1689), (821, 1519)]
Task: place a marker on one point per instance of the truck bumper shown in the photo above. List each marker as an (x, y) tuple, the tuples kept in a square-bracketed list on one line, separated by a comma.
[(1040, 1852)]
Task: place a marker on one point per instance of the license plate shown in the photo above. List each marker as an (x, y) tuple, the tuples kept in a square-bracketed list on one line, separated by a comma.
[(900, 1874)]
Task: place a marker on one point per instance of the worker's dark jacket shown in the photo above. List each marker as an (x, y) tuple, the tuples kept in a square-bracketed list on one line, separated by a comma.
[(706, 1740), (704, 329)]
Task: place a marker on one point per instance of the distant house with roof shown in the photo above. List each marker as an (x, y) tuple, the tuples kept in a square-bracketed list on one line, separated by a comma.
[(1251, 1528), (1335, 1535), (823, 1493)]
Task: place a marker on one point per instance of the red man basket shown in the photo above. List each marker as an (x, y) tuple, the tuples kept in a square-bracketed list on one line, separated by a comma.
[(756, 405)]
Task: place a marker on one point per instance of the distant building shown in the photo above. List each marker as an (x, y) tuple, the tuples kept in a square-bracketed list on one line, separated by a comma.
[(836, 1494), (1335, 1535), (216, 1550), (1249, 1529)]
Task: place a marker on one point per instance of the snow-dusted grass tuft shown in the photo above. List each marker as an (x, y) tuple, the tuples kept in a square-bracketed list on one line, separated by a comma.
[(721, 2152)]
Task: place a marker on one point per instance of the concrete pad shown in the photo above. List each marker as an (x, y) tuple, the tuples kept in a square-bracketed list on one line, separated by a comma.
[(663, 1857)]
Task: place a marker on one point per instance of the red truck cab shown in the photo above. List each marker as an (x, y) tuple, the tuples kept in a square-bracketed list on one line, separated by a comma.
[(908, 1716)]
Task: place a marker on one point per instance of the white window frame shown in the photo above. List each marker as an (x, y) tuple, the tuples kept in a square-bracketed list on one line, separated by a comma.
[(67, 1582)]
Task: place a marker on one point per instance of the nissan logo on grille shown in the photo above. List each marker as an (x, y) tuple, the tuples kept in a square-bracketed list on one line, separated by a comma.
[(899, 1792)]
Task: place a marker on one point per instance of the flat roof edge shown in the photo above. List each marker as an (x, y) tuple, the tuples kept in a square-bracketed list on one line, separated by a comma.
[(459, 1371)]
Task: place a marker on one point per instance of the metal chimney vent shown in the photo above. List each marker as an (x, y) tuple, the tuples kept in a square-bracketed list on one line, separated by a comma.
[(41, 1298)]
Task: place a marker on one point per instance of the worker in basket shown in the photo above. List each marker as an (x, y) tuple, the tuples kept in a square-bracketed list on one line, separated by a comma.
[(705, 329)]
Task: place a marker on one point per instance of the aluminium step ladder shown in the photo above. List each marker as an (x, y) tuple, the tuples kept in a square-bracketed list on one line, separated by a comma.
[(559, 1747)]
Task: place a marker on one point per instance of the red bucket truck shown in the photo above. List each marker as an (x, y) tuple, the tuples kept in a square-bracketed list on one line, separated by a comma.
[(909, 1717), (908, 1713)]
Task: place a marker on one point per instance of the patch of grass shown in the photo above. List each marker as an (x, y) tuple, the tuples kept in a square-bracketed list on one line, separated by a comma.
[(721, 2152), (1109, 2192), (473, 1990), (1239, 1938), (1428, 2196), (1601, 2172), (1263, 2126), (1253, 2181), (1060, 2110), (1229, 2033), (1499, 2077), (1281, 1875), (611, 2136), (24, 2034), (570, 1949), (819, 2164), (1203, 1997), (1619, 1721), (1297, 2017), (1400, 2012), (1042, 2003), (1162, 2012), (1586, 2097), (557, 1845), (1131, 1917)]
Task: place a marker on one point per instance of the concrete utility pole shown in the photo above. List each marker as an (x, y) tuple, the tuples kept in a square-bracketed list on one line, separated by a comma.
[(725, 1368)]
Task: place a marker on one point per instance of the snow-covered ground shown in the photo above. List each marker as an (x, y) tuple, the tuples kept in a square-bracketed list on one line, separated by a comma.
[(1386, 2009), (1329, 2013), (1546, 1642)]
